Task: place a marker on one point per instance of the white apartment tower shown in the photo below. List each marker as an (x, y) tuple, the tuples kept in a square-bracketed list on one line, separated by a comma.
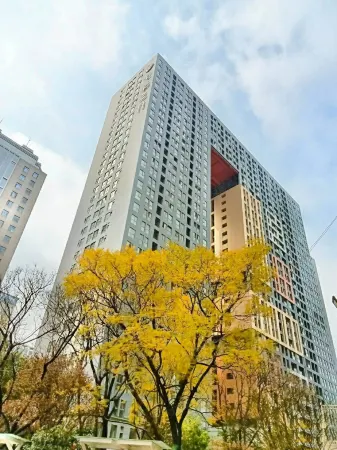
[(21, 179), (167, 169)]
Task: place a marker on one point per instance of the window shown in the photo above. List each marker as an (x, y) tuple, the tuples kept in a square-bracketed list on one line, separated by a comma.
[(2, 249), (105, 227), (20, 209), (24, 200), (35, 175), (230, 391), (25, 169), (4, 213), (6, 238), (131, 233), (14, 194), (22, 177), (31, 183), (113, 431), (122, 407), (16, 218), (18, 186), (11, 228), (84, 230), (133, 219), (9, 203), (230, 376), (28, 192), (148, 203), (136, 207)]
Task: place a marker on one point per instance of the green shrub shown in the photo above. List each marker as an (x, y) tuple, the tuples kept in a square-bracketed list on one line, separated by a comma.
[(195, 437), (56, 438)]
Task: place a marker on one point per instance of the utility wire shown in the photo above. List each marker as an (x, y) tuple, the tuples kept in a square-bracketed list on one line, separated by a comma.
[(323, 234)]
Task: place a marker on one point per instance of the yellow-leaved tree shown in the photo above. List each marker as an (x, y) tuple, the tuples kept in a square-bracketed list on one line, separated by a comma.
[(170, 318)]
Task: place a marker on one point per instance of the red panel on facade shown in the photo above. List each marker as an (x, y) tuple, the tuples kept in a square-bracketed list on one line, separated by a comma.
[(221, 170)]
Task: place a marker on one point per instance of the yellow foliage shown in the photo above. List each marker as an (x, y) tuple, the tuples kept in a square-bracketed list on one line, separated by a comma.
[(171, 315), (44, 400)]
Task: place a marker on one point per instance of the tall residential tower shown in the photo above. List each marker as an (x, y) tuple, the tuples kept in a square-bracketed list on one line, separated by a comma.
[(21, 179), (166, 168)]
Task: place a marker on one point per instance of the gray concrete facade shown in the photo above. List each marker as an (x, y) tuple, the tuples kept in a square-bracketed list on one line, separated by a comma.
[(21, 179)]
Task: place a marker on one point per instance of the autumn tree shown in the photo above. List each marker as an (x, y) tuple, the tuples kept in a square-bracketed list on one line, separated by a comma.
[(24, 296), (240, 390), (271, 406), (290, 413), (171, 317), (36, 401)]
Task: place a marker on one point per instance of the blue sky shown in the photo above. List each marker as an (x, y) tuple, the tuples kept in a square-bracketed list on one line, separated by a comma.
[(267, 67)]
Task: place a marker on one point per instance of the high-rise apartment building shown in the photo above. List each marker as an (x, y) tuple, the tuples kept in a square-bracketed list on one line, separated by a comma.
[(21, 180), (167, 169)]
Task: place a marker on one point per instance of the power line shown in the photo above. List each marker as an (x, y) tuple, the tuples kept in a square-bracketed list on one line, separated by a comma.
[(323, 234)]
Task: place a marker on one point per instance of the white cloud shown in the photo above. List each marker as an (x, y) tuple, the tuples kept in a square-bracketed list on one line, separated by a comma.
[(177, 27), (48, 227), (275, 50), (278, 49), (91, 32), (50, 38)]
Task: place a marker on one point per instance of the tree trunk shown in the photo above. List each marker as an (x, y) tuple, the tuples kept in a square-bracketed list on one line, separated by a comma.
[(80, 429), (105, 423), (177, 440), (177, 444)]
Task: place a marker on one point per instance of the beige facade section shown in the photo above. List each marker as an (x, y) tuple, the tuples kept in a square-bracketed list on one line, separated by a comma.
[(281, 328), (277, 325), (235, 219)]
